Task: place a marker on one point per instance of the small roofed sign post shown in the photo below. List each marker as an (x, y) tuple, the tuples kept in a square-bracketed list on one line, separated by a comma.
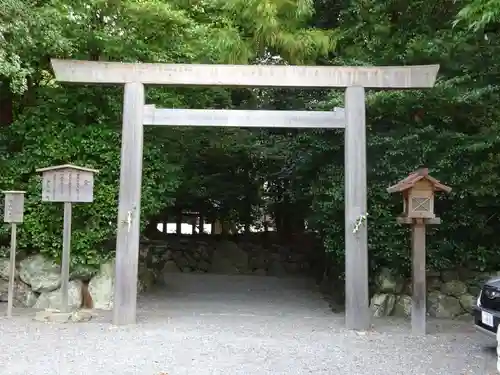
[(136, 114), (69, 184), (418, 191), (13, 214)]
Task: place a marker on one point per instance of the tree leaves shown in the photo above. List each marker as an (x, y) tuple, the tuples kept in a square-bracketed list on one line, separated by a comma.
[(56, 124), (478, 14), (452, 128)]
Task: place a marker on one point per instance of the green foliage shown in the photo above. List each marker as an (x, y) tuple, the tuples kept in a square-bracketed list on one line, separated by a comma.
[(452, 129), (479, 13), (56, 124), (82, 132)]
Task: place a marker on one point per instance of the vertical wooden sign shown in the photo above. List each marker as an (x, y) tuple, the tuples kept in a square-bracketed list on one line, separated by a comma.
[(13, 214)]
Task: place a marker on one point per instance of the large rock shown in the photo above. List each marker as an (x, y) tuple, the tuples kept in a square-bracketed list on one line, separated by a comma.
[(147, 278), (102, 287), (23, 295), (382, 304), (443, 306), (403, 306), (450, 275), (433, 283), (4, 290), (82, 272), (192, 254), (454, 288), (228, 258), (170, 267), (53, 300), (41, 274), (4, 269), (387, 282), (468, 301)]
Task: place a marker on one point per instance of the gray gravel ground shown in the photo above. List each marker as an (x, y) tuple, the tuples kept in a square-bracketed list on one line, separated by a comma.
[(205, 324)]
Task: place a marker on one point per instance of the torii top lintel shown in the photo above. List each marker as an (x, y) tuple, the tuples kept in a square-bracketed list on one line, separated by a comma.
[(99, 72)]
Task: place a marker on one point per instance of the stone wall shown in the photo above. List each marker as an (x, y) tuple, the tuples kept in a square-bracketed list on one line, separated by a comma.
[(204, 254), (38, 280), (450, 294), (38, 283)]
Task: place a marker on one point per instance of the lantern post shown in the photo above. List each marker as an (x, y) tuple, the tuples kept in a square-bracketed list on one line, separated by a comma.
[(418, 191)]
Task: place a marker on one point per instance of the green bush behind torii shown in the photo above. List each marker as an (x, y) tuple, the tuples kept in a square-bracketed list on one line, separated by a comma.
[(452, 129)]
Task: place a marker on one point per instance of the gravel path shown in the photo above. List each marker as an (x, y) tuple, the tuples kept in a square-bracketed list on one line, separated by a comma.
[(238, 326)]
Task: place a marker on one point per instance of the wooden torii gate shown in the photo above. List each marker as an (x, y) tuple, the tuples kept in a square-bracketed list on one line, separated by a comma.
[(136, 114)]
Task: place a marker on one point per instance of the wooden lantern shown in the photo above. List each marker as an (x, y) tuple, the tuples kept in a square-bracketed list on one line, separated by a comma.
[(14, 206), (418, 199), (418, 194), (67, 183)]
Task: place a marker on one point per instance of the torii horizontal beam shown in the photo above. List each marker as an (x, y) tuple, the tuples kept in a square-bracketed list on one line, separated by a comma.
[(244, 118), (397, 77)]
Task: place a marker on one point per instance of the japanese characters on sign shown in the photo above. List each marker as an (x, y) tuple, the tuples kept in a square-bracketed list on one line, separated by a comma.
[(67, 184), (14, 207)]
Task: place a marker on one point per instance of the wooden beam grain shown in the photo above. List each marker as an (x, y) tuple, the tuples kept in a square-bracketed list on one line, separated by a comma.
[(356, 244), (418, 304), (129, 206), (65, 259), (409, 220), (100, 72), (244, 118)]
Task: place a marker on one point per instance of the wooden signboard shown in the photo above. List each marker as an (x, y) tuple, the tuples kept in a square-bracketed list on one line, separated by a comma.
[(69, 184)]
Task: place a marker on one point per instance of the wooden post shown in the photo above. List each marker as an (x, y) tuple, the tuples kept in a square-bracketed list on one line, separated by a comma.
[(13, 214), (67, 183), (129, 206), (65, 257), (12, 269), (356, 247), (418, 307), (418, 190)]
